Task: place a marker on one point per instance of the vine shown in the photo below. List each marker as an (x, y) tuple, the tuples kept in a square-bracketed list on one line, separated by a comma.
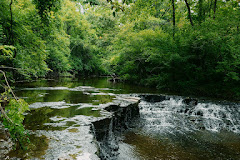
[(12, 109)]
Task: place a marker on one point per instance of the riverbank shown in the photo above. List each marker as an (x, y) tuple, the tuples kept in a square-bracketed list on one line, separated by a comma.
[(5, 141), (205, 91), (90, 118), (65, 116), (219, 92)]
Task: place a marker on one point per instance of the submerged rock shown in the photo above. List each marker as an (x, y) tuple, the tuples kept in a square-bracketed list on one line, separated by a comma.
[(190, 101), (154, 98), (65, 158), (199, 113)]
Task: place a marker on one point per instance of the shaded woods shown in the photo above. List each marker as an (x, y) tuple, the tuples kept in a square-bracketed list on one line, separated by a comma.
[(181, 46), (189, 47)]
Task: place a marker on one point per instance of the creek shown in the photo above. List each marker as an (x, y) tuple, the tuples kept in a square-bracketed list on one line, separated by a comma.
[(65, 114)]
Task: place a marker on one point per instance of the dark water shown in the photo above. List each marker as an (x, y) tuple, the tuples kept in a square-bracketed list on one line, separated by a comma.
[(62, 111), (173, 130)]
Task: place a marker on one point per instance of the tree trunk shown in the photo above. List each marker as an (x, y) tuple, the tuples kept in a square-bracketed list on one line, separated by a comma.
[(12, 37), (174, 22), (189, 12), (11, 30), (214, 9), (201, 14), (11, 24), (210, 8)]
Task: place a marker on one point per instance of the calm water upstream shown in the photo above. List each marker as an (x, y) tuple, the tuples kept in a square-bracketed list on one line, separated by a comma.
[(62, 111)]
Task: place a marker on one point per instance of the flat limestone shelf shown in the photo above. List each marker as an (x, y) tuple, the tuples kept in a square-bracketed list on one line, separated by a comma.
[(86, 137)]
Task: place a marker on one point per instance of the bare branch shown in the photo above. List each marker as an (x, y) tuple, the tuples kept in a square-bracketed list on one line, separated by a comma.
[(8, 84), (5, 115), (6, 67)]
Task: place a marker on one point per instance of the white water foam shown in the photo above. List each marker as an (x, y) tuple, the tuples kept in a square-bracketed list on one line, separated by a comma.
[(173, 115)]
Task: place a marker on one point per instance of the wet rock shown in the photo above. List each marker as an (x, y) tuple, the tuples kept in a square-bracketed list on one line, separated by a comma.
[(154, 98), (210, 110), (101, 128), (199, 113), (227, 122), (190, 101), (200, 119), (123, 111), (65, 158), (113, 107), (186, 110), (193, 119), (183, 110), (5, 142), (222, 114), (201, 126)]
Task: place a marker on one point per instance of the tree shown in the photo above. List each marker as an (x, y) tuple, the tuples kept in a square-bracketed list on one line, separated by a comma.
[(11, 23), (174, 20), (214, 9), (189, 12), (44, 7)]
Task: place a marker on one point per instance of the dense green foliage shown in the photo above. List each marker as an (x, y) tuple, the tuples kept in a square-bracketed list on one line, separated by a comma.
[(12, 118), (50, 37), (184, 46), (201, 58)]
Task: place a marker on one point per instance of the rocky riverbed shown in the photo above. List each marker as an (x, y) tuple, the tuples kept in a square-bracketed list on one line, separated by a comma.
[(5, 142), (79, 127), (95, 119)]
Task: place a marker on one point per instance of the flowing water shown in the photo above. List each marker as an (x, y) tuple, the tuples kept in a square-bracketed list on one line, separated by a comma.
[(62, 111), (173, 130)]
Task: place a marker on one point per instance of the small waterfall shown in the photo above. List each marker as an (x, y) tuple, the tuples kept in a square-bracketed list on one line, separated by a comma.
[(107, 129), (173, 115), (218, 117), (109, 145)]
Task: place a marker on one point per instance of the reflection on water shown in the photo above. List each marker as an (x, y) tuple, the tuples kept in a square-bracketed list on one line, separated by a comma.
[(101, 83), (62, 111), (37, 148), (199, 145), (42, 116), (74, 97), (60, 115), (152, 148)]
